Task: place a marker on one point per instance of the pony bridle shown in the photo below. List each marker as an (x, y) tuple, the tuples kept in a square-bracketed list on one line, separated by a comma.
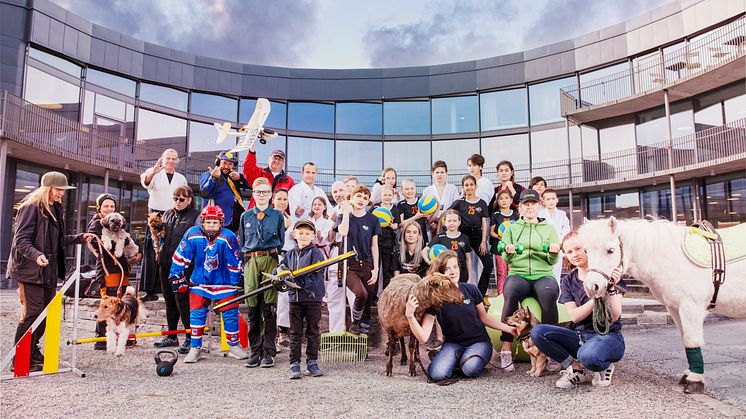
[(620, 266)]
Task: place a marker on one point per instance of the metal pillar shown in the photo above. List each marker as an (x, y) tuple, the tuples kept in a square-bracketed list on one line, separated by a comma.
[(106, 181), (3, 169), (669, 136)]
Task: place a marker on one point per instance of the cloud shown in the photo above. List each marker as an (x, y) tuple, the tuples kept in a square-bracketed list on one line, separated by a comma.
[(249, 31)]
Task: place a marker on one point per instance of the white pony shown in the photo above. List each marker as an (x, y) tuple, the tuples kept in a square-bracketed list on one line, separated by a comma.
[(651, 251)]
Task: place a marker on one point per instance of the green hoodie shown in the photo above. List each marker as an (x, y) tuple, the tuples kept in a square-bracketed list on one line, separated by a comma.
[(533, 263)]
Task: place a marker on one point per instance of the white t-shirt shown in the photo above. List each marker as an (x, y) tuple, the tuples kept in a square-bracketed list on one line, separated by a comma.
[(450, 194), (160, 190), (485, 189)]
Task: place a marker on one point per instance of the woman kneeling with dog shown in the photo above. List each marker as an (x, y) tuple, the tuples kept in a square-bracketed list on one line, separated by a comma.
[(584, 354), (467, 345)]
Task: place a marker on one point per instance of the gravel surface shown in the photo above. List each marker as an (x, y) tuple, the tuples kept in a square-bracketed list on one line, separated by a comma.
[(223, 387)]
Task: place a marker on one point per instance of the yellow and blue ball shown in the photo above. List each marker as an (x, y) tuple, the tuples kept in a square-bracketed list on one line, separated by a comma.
[(502, 227), (435, 251), (427, 204), (384, 216)]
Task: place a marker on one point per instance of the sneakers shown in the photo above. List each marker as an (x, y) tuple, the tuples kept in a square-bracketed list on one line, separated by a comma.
[(364, 327), (553, 366), (295, 371), (184, 348), (313, 369), (237, 352), (603, 378), (100, 346), (506, 361), (355, 328), (267, 362), (253, 361), (167, 342), (570, 378), (193, 355), (149, 297)]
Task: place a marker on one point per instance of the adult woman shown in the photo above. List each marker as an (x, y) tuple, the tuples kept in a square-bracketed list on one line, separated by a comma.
[(530, 263), (37, 254), (583, 354), (105, 205), (506, 175), (176, 222), (466, 343)]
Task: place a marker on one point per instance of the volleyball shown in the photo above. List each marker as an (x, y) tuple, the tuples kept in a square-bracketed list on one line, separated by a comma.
[(435, 251), (384, 216), (502, 227), (427, 204)]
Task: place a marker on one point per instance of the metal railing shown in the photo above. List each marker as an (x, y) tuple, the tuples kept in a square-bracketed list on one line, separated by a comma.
[(653, 73)]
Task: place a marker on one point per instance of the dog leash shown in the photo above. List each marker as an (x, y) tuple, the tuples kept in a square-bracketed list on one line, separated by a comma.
[(101, 248)]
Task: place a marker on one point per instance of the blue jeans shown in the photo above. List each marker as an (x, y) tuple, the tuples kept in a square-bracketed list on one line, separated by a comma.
[(595, 353), (472, 359)]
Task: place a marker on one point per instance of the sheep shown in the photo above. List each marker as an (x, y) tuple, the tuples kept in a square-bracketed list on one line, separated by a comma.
[(431, 291)]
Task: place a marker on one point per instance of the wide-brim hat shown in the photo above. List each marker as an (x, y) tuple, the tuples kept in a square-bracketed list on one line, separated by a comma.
[(55, 180)]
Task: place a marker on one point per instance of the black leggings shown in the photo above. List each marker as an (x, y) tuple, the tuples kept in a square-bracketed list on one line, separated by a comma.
[(487, 264), (177, 304), (544, 289)]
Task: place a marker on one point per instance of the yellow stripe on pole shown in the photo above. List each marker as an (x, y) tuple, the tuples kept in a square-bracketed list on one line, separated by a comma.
[(223, 339), (52, 339)]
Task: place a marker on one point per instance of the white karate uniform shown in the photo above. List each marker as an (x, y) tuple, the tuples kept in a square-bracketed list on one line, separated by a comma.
[(450, 194), (160, 191), (558, 219), (303, 195), (335, 295)]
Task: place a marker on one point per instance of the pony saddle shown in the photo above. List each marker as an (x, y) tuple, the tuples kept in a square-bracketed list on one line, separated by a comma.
[(696, 245)]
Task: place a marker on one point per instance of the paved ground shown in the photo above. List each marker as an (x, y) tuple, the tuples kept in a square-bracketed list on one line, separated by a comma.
[(644, 386)]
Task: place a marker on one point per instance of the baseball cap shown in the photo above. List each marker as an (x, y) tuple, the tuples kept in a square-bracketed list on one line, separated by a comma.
[(55, 180), (530, 195), (278, 153), (304, 223)]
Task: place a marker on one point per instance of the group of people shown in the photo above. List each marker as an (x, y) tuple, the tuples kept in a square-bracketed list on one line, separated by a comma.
[(227, 248)]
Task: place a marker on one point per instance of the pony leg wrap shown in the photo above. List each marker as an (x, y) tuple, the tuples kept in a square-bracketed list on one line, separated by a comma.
[(694, 358)]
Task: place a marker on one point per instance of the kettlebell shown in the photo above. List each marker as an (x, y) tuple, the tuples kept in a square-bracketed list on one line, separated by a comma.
[(164, 367)]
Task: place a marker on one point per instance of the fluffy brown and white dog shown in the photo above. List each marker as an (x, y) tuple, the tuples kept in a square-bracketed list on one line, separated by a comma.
[(120, 316), (157, 232), (523, 320), (116, 239)]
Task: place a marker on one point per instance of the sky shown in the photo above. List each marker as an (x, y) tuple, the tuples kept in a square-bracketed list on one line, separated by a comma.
[(356, 33)]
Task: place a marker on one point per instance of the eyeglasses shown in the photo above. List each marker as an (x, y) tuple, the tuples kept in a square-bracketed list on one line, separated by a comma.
[(179, 199), (262, 193)]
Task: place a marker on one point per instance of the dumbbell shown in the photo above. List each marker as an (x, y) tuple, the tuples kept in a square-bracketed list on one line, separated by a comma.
[(545, 247), (519, 248), (501, 247)]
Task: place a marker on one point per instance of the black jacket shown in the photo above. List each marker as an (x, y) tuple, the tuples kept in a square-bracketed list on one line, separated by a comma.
[(175, 224), (312, 284), (36, 233)]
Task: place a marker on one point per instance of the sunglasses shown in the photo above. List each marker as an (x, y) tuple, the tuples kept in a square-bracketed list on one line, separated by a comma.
[(179, 199)]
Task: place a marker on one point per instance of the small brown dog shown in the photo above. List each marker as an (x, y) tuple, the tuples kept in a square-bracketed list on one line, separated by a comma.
[(523, 320), (157, 232), (120, 316)]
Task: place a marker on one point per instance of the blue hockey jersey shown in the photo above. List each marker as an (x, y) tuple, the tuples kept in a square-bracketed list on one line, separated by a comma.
[(216, 264)]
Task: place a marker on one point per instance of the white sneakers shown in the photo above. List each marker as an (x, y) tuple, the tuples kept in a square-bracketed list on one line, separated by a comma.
[(506, 361), (570, 378), (193, 355), (237, 352), (603, 378)]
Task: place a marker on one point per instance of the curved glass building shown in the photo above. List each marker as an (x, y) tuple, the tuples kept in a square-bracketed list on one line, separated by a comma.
[(644, 117)]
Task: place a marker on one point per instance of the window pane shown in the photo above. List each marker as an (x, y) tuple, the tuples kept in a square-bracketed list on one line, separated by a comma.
[(735, 109), (202, 141), (505, 109), (544, 100), (412, 156), (359, 118), (111, 82), (308, 116), (52, 93), (605, 84), (218, 107), (657, 202), (159, 95), (725, 201), (513, 148), (159, 132), (406, 118), (590, 142), (455, 153), (359, 158), (549, 156), (617, 153), (277, 115), (651, 125), (455, 114), (711, 116), (618, 204), (56, 62), (302, 150)]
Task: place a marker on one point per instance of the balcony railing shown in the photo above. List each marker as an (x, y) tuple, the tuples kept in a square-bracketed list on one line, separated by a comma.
[(654, 73)]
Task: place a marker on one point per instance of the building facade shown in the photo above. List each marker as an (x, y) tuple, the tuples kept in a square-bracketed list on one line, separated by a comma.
[(618, 120)]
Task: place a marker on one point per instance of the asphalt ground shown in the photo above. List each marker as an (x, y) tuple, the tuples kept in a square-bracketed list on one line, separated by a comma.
[(644, 385)]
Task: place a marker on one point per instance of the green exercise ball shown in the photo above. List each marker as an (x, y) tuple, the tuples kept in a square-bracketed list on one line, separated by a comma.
[(495, 310)]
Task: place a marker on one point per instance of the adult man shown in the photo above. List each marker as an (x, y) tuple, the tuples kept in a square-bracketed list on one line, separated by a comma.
[(222, 184), (274, 172), (160, 181), (302, 194)]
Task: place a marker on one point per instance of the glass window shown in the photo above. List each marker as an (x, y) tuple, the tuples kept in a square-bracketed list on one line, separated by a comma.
[(56, 62), (455, 153), (359, 118), (455, 114), (406, 118), (202, 143), (218, 107), (504, 109), (657, 202), (302, 150), (590, 142), (407, 156), (651, 125), (709, 117), (605, 84), (159, 132), (109, 81), (617, 154), (618, 204), (164, 96), (549, 156), (309, 116), (508, 147), (648, 72), (725, 201), (735, 109), (359, 158), (51, 93), (277, 116), (544, 100)]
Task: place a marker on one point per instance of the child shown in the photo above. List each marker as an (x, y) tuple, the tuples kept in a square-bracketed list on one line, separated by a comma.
[(387, 243), (593, 361), (503, 212), (280, 203), (445, 193), (305, 303), (408, 259), (361, 230), (538, 184), (557, 219), (454, 240), (351, 183), (485, 189), (388, 178), (213, 251), (506, 176), (408, 209), (322, 225), (474, 223), (261, 235), (335, 288)]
